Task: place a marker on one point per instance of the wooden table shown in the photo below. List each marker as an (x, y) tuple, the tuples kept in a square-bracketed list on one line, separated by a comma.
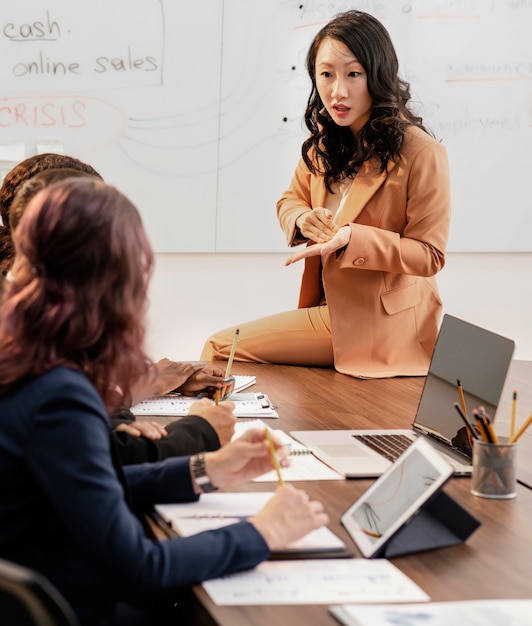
[(495, 562)]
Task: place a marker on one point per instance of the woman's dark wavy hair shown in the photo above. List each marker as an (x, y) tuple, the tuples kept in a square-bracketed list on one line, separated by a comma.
[(78, 290), (15, 178), (332, 150)]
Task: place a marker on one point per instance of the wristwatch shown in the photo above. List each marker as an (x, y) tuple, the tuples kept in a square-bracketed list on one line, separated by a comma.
[(200, 473)]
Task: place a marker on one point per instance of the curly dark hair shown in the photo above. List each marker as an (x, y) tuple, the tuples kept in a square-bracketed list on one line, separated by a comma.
[(334, 151), (15, 178), (78, 290)]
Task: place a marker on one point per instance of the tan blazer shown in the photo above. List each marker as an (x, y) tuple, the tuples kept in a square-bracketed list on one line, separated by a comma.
[(381, 292)]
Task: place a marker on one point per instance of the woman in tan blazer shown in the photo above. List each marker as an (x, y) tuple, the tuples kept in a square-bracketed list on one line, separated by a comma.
[(371, 199)]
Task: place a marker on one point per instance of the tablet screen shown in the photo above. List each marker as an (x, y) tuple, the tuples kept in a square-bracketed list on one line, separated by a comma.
[(396, 496)]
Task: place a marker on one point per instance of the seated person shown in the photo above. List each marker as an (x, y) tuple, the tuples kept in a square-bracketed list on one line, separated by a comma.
[(207, 427), (71, 342)]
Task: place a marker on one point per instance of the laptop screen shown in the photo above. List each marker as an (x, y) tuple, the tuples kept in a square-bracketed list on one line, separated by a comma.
[(476, 357)]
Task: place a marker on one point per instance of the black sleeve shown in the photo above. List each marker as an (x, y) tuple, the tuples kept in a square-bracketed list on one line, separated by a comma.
[(186, 436), (122, 416)]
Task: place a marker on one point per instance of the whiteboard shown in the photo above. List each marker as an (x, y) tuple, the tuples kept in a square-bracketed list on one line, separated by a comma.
[(194, 110)]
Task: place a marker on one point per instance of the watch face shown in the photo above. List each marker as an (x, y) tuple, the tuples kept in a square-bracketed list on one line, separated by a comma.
[(200, 474)]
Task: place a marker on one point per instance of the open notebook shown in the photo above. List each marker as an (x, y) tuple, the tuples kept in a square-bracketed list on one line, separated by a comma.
[(479, 358), (214, 510), (303, 464)]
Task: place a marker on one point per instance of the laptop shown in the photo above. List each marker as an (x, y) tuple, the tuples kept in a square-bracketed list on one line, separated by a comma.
[(476, 357)]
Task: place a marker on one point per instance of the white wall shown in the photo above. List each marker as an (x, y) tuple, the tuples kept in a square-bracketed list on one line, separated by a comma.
[(193, 295)]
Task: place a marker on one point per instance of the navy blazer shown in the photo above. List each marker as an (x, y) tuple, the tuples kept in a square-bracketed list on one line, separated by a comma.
[(67, 506)]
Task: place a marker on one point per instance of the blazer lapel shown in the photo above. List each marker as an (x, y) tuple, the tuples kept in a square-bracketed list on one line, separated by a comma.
[(365, 184)]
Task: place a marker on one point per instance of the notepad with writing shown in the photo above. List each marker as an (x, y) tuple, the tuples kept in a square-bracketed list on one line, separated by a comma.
[(303, 464), (309, 582), (250, 404), (214, 510)]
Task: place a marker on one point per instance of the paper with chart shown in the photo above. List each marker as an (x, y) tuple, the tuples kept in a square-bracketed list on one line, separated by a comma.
[(309, 582), (251, 404), (472, 613), (214, 510)]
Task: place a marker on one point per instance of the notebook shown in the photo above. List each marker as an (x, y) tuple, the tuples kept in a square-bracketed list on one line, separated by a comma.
[(214, 510), (303, 464), (477, 357)]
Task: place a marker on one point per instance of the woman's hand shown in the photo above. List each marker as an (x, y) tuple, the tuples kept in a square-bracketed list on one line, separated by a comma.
[(243, 459), (204, 381), (340, 239), (220, 417), (317, 225), (146, 429), (288, 516)]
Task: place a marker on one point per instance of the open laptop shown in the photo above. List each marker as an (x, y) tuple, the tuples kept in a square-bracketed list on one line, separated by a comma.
[(479, 358)]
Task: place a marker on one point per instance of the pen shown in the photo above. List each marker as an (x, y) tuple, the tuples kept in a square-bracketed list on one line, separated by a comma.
[(521, 430), (514, 413), (470, 428), (273, 456), (232, 355)]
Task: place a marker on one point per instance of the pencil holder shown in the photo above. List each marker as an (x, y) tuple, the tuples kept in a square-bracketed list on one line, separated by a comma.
[(494, 470)]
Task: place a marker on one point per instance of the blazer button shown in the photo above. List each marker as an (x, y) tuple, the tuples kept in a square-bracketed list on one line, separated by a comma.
[(360, 261)]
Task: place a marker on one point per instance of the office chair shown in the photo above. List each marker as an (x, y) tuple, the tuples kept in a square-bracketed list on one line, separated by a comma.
[(27, 598)]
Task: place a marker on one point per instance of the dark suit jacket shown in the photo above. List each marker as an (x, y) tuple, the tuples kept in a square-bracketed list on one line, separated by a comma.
[(67, 505)]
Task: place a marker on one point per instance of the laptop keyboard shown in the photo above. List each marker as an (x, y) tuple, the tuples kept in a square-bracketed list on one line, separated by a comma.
[(389, 446)]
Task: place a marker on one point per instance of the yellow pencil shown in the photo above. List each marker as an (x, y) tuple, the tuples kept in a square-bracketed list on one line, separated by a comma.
[(273, 455), (464, 409), (514, 413), (521, 430), (461, 396), (232, 355)]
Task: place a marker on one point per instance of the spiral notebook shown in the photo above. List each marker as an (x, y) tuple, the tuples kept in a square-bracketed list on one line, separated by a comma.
[(303, 464)]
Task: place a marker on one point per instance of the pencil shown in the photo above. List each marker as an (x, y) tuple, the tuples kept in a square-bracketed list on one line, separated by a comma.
[(481, 423), (514, 413), (461, 395), (232, 355), (273, 456), (469, 427), (217, 396), (521, 430), (489, 427)]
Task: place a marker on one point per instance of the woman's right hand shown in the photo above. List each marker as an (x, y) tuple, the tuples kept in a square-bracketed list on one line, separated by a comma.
[(288, 516), (220, 416), (317, 225)]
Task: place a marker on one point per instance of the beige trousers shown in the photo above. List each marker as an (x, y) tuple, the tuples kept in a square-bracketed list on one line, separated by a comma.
[(298, 337)]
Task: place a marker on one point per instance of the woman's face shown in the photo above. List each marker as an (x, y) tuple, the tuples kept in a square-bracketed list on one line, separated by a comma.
[(341, 82)]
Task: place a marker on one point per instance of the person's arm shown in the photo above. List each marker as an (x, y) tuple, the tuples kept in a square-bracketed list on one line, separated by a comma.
[(185, 436), (294, 203), (419, 249), (69, 453)]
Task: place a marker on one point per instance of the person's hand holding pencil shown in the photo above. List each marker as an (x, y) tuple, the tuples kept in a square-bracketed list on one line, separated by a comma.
[(287, 516), (245, 458), (229, 381)]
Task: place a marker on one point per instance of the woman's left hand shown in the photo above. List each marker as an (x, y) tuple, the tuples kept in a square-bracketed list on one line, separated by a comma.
[(339, 240)]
